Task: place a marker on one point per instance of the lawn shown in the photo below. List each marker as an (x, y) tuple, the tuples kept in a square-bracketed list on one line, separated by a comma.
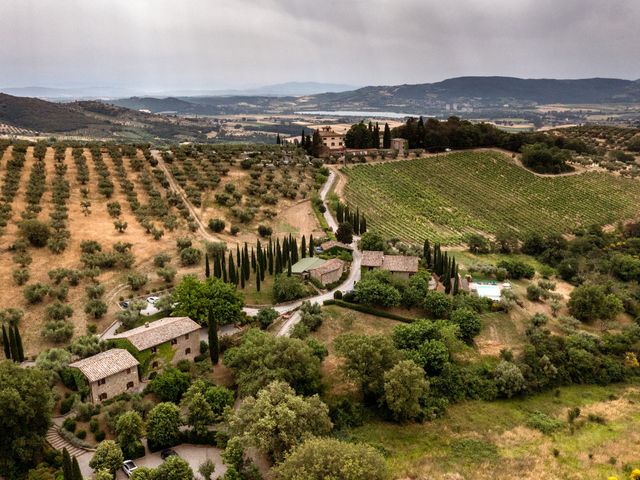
[(488, 440), (446, 197)]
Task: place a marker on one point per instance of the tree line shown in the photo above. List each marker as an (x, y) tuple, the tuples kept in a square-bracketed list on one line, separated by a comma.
[(367, 136)]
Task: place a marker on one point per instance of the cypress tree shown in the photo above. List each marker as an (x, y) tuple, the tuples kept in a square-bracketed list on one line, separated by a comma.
[(456, 282), (238, 260), (214, 347), (289, 268), (386, 137), (20, 350), (223, 267), (241, 268), (270, 257), (277, 139), (258, 274), (67, 467), (356, 222), (247, 267), (294, 251), (232, 270), (207, 272), (303, 247), (77, 474), (447, 279), (5, 343), (13, 346), (340, 212), (363, 224), (254, 260), (426, 253), (216, 266), (311, 245)]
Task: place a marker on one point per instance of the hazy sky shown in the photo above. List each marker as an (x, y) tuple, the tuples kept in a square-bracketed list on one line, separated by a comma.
[(169, 44)]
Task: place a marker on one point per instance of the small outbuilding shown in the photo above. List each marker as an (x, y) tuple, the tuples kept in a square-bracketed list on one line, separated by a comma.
[(329, 272)]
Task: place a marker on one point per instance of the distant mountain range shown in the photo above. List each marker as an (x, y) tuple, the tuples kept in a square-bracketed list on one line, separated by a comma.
[(476, 92), (479, 94), (82, 93)]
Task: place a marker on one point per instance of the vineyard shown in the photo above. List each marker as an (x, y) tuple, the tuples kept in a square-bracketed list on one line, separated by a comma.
[(445, 198)]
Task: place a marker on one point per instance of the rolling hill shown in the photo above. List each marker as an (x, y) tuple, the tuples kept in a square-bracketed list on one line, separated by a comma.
[(40, 115)]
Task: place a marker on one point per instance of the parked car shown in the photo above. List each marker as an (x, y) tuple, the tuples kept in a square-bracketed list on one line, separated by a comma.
[(128, 466), (124, 304), (168, 452), (152, 300)]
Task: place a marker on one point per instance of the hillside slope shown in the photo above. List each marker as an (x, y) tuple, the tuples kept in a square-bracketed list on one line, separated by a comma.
[(39, 115)]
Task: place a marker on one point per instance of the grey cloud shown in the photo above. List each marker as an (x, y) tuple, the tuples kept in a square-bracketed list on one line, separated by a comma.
[(165, 44)]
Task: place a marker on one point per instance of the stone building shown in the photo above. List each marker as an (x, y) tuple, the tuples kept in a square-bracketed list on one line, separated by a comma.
[(330, 139), (109, 373), (328, 272), (399, 265), (165, 341)]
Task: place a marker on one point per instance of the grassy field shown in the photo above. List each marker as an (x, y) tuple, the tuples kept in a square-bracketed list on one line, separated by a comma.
[(446, 197), (488, 440)]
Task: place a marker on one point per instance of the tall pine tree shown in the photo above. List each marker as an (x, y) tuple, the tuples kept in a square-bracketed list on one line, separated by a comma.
[(207, 272), (303, 247), (77, 474), (311, 245), (386, 137)]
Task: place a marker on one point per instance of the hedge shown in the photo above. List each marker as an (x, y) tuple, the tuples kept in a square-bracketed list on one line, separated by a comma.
[(370, 310)]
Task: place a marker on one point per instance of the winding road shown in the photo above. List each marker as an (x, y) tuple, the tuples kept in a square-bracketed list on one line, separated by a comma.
[(282, 309)]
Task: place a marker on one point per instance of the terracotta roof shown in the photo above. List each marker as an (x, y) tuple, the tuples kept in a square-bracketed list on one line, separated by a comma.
[(333, 244), (306, 264), (400, 263), (160, 331), (371, 258), (324, 133), (105, 364), (329, 266)]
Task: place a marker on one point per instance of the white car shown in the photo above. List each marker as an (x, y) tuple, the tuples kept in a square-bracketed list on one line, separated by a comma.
[(153, 300), (128, 466)]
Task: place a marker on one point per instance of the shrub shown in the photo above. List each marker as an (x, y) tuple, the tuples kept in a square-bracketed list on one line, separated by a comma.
[(216, 225), (534, 293), (136, 281), (235, 230), (517, 269), (93, 425), (81, 434), (69, 424), (264, 231), (544, 423), (266, 316), (287, 288), (21, 276), (161, 259), (100, 436), (183, 243), (35, 292), (57, 331), (337, 295), (35, 232), (190, 256)]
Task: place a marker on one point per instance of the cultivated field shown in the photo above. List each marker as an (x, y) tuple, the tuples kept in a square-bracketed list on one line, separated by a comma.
[(82, 192), (446, 197)]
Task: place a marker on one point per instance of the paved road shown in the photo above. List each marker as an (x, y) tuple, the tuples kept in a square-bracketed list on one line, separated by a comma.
[(285, 329)]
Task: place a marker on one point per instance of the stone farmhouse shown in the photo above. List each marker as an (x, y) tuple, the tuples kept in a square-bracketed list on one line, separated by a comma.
[(330, 139), (109, 373), (165, 341), (399, 265)]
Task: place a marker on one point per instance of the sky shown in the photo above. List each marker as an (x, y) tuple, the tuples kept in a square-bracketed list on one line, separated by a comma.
[(163, 45)]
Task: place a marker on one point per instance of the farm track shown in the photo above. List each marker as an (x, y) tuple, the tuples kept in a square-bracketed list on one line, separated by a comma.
[(202, 228)]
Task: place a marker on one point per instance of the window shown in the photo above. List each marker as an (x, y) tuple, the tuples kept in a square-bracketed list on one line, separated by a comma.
[(186, 337), (154, 349), (130, 385), (187, 351), (174, 341), (128, 371), (154, 365), (103, 396), (102, 381)]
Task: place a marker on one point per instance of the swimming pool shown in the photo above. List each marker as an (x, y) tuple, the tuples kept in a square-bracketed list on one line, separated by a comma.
[(491, 291)]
